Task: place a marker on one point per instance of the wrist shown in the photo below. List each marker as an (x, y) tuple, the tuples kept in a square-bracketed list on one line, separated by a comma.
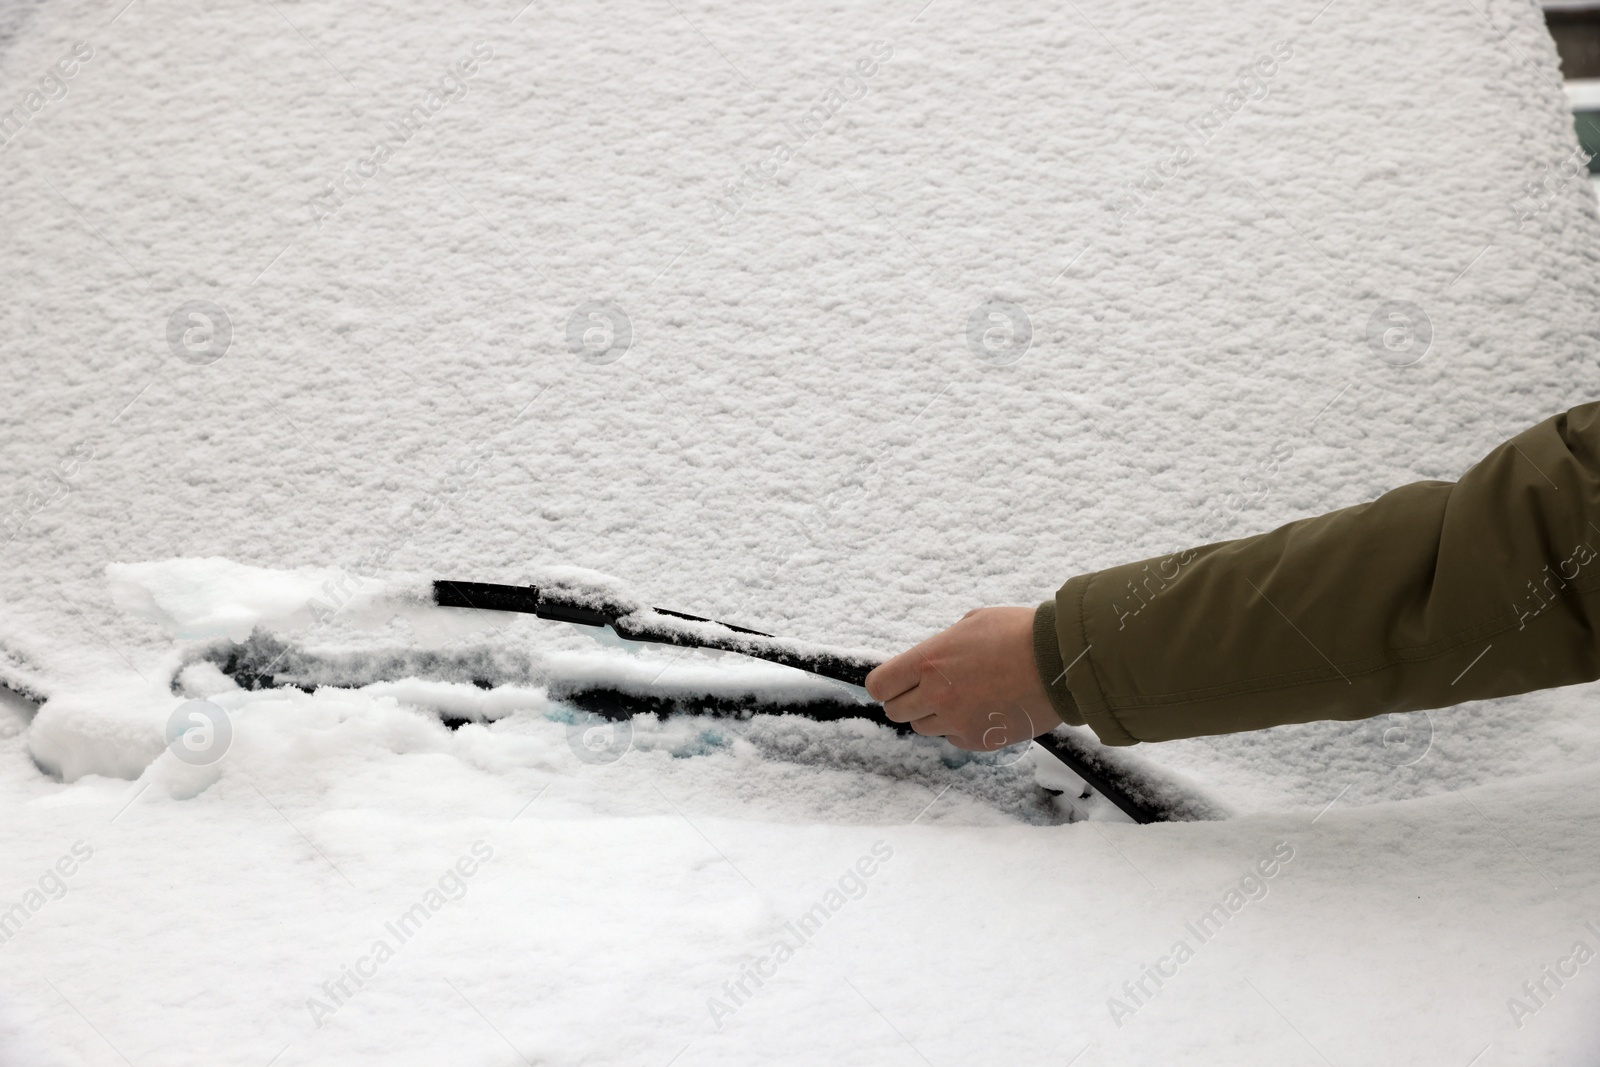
[(1052, 668)]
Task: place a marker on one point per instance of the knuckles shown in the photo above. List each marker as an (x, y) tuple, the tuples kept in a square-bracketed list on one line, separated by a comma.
[(933, 669), (940, 694)]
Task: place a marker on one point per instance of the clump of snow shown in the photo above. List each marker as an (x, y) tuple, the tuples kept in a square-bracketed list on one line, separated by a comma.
[(215, 597), (103, 727), (21, 673), (585, 586)]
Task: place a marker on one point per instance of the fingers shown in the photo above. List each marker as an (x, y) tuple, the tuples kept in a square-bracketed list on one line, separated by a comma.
[(909, 706), (913, 707), (974, 683), (894, 677)]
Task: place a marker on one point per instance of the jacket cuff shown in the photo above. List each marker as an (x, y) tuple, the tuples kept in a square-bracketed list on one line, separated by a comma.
[(1052, 669), (1073, 646)]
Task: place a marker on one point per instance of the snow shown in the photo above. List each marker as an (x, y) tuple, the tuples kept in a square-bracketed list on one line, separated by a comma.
[(215, 597), (537, 337), (1584, 93)]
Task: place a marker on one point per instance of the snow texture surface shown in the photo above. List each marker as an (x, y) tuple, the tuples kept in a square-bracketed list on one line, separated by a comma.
[(833, 321)]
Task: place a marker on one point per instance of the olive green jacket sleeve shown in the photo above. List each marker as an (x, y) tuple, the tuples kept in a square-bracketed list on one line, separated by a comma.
[(1433, 594)]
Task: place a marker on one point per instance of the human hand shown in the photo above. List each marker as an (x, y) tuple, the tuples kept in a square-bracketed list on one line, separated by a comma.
[(975, 684)]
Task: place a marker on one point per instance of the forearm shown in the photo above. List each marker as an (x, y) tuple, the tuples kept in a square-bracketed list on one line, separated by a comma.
[(1378, 608)]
